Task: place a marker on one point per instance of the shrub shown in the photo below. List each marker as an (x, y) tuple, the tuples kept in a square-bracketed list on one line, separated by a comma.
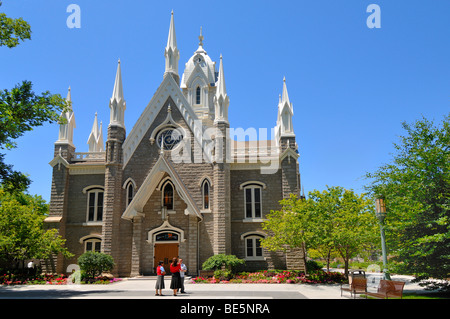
[(223, 274), (313, 265), (221, 260), (93, 264)]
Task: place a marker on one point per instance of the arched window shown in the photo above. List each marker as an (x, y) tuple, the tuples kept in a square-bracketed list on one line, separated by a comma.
[(92, 244), (198, 95), (253, 248), (94, 203), (252, 197), (130, 193), (167, 192), (205, 194)]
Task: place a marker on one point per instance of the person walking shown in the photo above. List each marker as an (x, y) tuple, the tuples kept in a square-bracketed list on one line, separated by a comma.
[(175, 270), (160, 272), (183, 270)]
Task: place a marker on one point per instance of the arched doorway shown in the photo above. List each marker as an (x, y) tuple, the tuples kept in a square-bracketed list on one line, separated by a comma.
[(165, 240), (166, 247)]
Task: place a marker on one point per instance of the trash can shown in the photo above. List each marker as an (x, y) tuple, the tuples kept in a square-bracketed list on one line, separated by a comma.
[(355, 273)]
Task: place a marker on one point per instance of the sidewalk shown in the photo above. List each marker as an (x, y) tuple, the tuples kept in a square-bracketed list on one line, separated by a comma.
[(143, 288)]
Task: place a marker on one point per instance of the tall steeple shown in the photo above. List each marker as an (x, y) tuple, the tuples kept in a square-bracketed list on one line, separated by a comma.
[(117, 102), (221, 100), (112, 199), (171, 52), (66, 130), (285, 113)]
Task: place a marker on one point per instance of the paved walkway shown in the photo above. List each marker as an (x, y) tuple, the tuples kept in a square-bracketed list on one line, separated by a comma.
[(143, 288)]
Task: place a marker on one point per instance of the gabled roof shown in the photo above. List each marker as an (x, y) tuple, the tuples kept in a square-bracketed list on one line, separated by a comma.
[(58, 160), (168, 88), (197, 71), (162, 167)]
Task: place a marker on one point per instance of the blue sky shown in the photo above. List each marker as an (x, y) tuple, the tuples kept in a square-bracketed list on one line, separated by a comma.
[(351, 86)]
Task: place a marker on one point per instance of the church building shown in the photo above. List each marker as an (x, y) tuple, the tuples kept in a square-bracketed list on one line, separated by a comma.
[(179, 183)]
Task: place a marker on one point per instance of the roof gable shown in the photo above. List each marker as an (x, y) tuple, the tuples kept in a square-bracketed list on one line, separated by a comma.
[(168, 88), (149, 185)]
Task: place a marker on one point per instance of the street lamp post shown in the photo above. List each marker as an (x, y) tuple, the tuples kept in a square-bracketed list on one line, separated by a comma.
[(380, 211)]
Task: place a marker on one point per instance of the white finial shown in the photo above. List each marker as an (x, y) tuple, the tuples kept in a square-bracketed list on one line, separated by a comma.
[(221, 88), (118, 89), (100, 138), (92, 139), (200, 37), (117, 102), (285, 97), (65, 135), (95, 139), (221, 99), (285, 113), (69, 97), (171, 52)]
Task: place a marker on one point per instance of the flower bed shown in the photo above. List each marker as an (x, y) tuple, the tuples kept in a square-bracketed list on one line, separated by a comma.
[(23, 279), (284, 276), (102, 280), (8, 279)]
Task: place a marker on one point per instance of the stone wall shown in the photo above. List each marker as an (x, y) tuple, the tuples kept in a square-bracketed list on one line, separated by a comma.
[(113, 202), (219, 231), (271, 196)]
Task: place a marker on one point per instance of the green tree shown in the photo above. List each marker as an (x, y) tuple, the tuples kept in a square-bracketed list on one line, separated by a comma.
[(20, 108), (13, 30), (322, 241), (344, 221), (22, 232), (416, 188), (335, 219), (20, 111), (289, 227)]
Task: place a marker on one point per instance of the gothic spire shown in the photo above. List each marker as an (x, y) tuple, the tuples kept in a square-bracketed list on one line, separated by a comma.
[(66, 130), (221, 99), (285, 97), (172, 40), (171, 52), (95, 139), (100, 138), (92, 139), (69, 98), (118, 89), (117, 102), (285, 113), (221, 88)]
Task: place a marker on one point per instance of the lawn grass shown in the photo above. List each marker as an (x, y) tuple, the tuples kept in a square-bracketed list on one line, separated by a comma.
[(424, 295), (427, 295)]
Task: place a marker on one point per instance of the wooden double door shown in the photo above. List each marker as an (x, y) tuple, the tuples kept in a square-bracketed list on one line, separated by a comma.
[(165, 252)]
